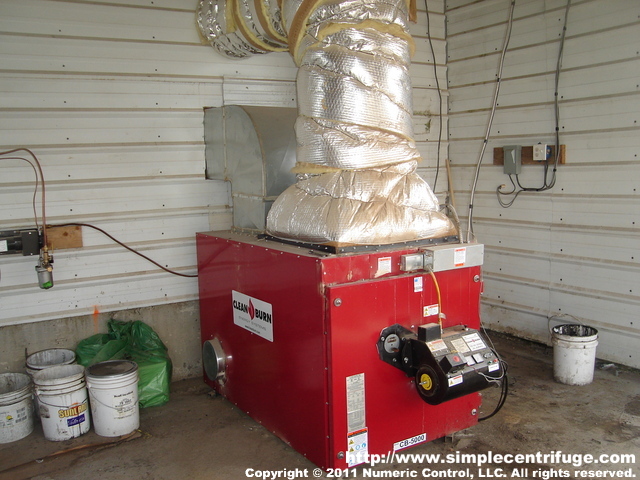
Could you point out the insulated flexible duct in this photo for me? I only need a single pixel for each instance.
(356, 155)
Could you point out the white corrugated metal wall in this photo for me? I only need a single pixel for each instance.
(573, 249)
(109, 95)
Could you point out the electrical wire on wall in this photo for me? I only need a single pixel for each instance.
(503, 380)
(124, 245)
(470, 234)
(547, 184)
(37, 169)
(450, 200)
(435, 75)
(44, 267)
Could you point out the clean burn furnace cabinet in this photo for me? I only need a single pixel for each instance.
(321, 347)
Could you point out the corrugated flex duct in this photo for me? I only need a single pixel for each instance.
(356, 157)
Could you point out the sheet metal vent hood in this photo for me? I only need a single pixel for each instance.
(253, 148)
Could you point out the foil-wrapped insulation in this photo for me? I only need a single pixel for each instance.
(390, 78)
(357, 11)
(374, 207)
(212, 19)
(331, 17)
(345, 146)
(386, 47)
(270, 16)
(371, 107)
(247, 17)
(289, 9)
(354, 131)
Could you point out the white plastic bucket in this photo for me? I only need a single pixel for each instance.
(113, 390)
(16, 407)
(574, 353)
(62, 402)
(49, 358)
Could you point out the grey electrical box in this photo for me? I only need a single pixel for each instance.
(449, 257)
(512, 159)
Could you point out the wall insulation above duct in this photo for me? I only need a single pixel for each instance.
(356, 158)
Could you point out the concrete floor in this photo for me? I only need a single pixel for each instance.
(198, 436)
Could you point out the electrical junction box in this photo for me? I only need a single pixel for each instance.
(512, 159)
(450, 257)
(541, 152)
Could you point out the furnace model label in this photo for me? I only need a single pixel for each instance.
(357, 436)
(355, 403)
(253, 315)
(410, 442)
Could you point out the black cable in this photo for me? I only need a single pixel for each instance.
(504, 391)
(504, 386)
(125, 246)
(435, 74)
(546, 183)
(515, 191)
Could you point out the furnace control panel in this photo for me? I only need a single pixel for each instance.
(445, 364)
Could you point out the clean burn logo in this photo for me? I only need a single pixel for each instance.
(253, 315)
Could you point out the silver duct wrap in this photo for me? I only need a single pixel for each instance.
(372, 108)
(236, 29)
(272, 15)
(289, 9)
(344, 146)
(338, 15)
(373, 206)
(355, 128)
(247, 14)
(211, 17)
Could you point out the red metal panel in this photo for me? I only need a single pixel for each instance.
(296, 384)
(460, 296)
(282, 384)
(394, 411)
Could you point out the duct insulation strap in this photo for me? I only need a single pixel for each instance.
(356, 153)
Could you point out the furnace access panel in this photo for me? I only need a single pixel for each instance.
(301, 340)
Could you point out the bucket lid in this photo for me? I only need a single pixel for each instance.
(112, 368)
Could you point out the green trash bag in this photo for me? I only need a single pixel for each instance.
(135, 341)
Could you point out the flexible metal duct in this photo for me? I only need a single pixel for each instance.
(356, 154)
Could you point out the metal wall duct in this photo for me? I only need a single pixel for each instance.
(254, 149)
(356, 160)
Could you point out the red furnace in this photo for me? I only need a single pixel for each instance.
(341, 355)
